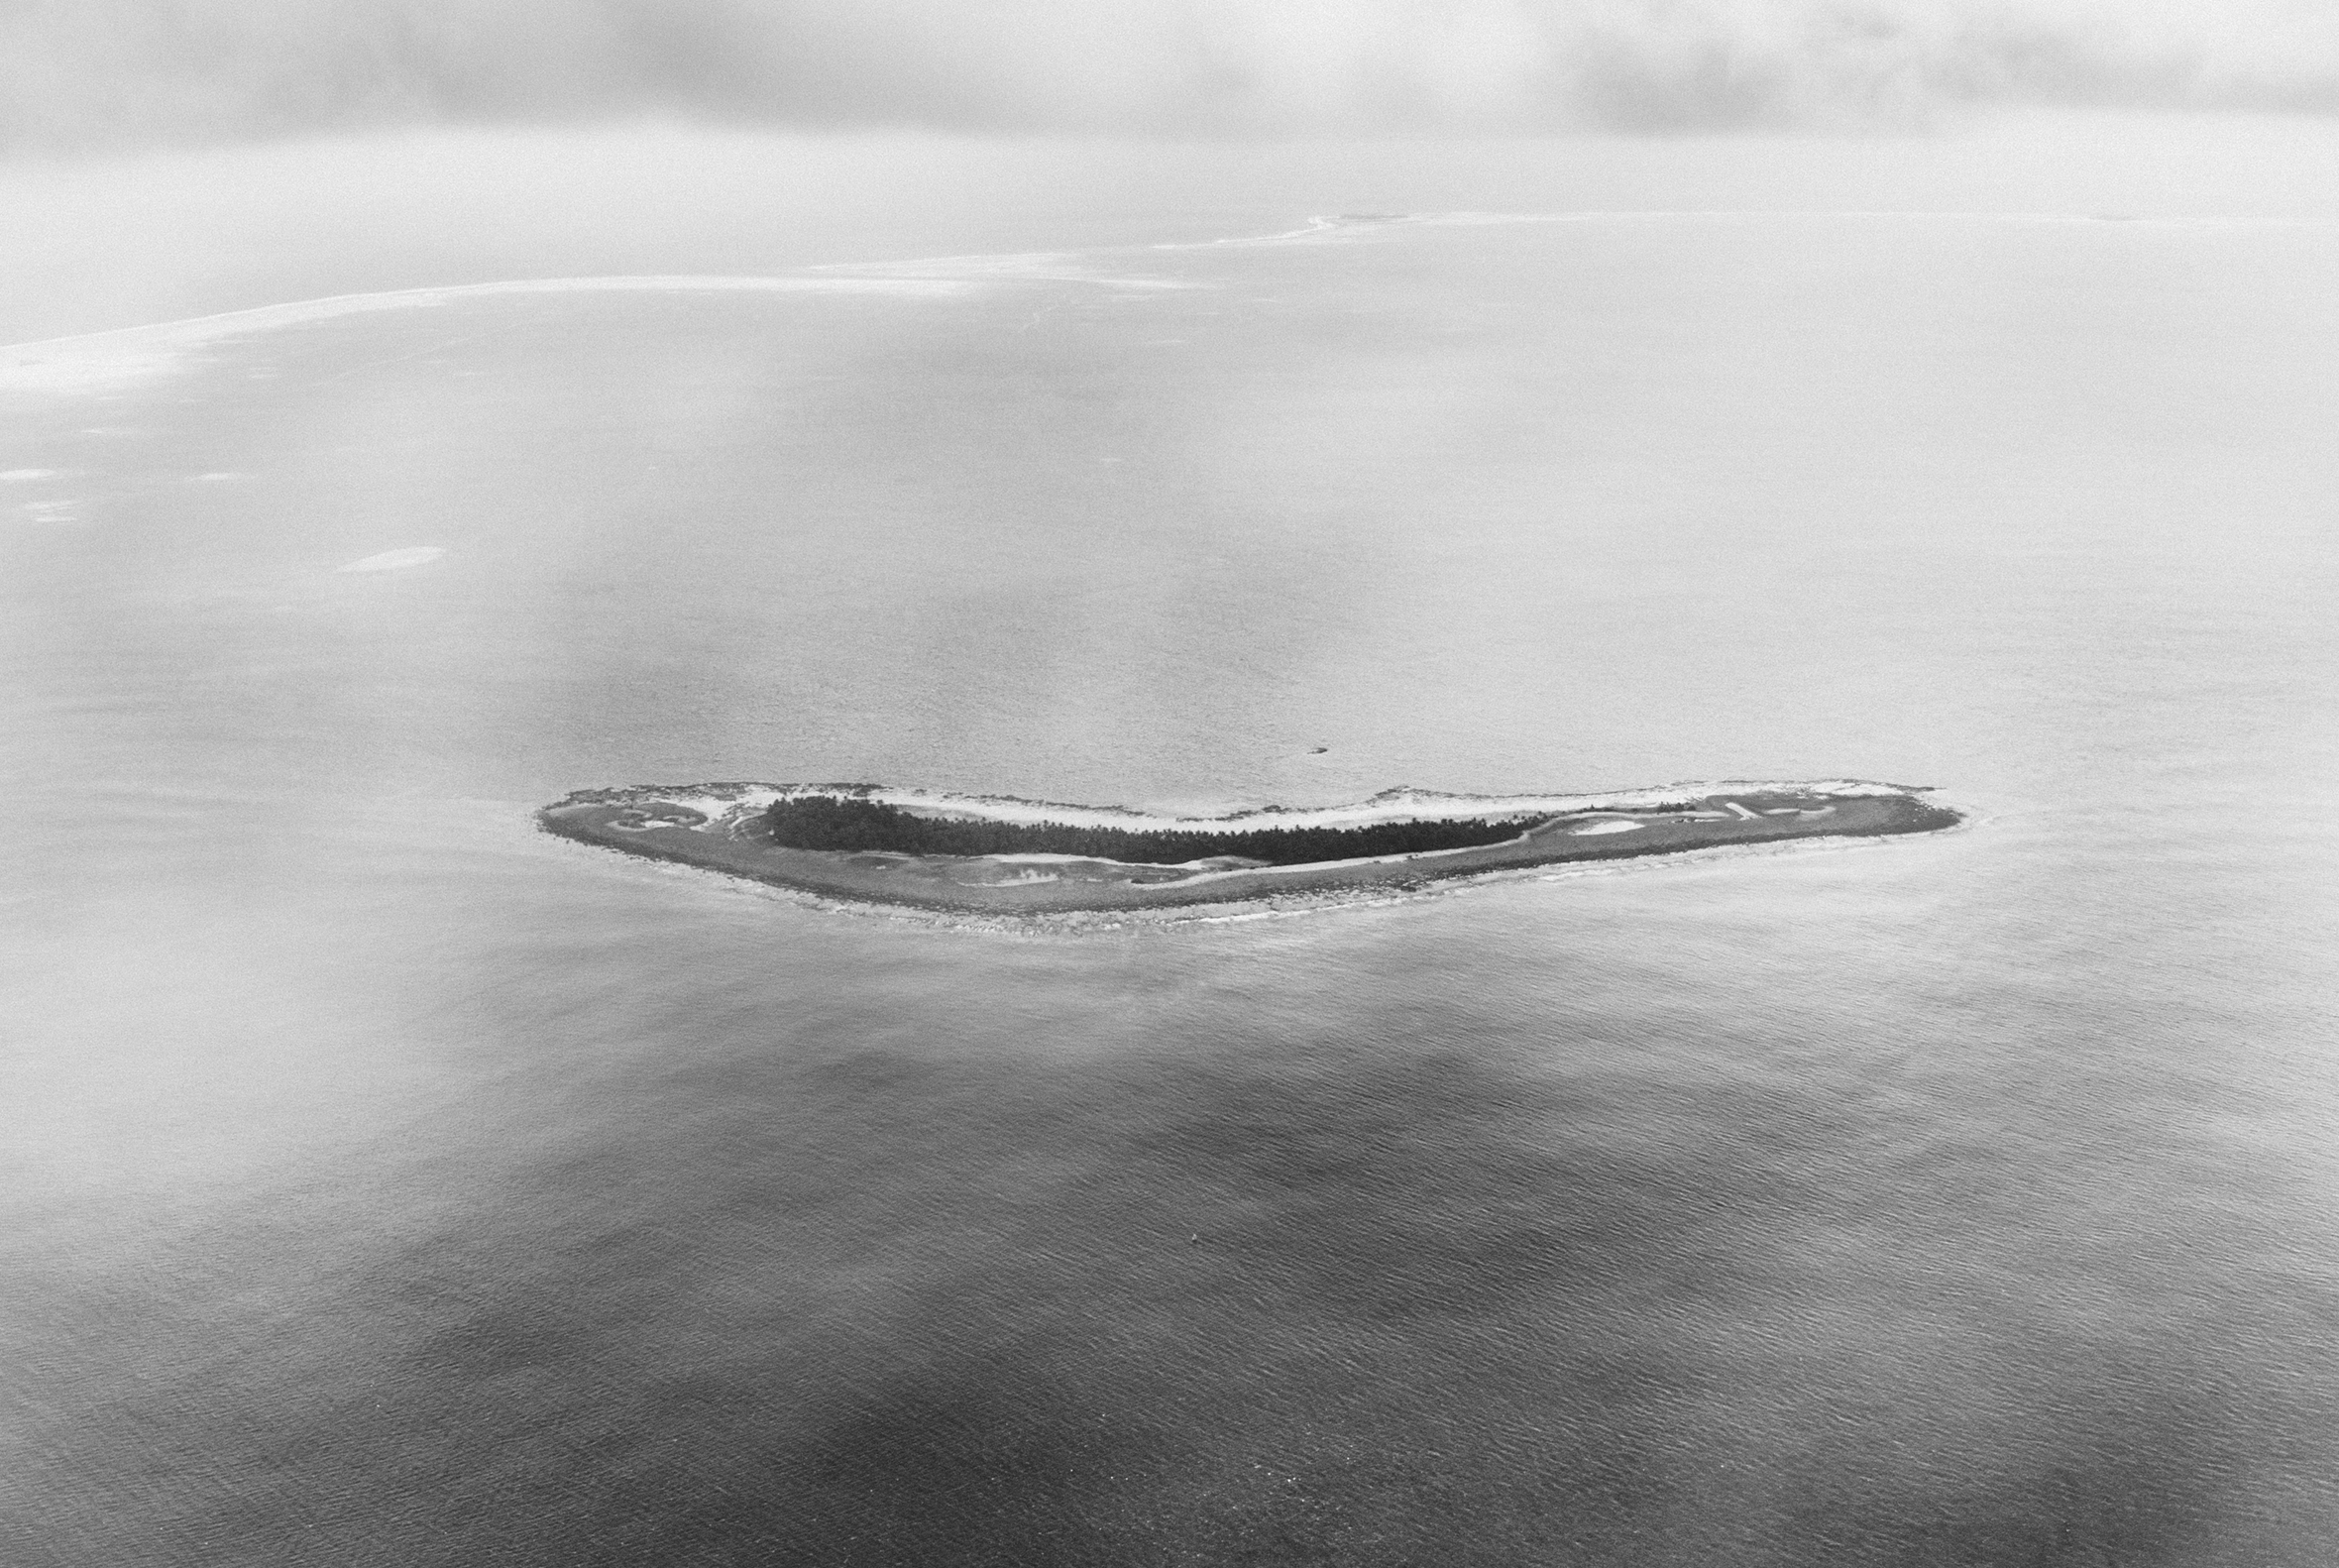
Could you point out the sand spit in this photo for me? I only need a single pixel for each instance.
(1078, 925)
(724, 828)
(1400, 804)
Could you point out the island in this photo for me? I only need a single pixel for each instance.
(998, 856)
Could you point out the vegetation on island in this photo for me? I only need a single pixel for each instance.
(1925, 816)
(828, 822)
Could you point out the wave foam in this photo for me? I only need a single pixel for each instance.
(104, 360)
(393, 560)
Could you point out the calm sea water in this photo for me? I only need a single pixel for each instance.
(388, 1183)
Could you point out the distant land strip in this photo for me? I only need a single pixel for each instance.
(1000, 856)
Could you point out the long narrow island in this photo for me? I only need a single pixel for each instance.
(994, 855)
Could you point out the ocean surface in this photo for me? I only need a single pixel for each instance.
(387, 1183)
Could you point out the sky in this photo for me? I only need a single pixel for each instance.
(78, 76)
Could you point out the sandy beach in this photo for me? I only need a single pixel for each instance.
(720, 827)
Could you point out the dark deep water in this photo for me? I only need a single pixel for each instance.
(391, 1184)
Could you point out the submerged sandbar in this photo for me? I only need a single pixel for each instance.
(997, 855)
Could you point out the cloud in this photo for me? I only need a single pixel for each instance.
(83, 73)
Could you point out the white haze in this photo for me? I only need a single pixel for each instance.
(93, 243)
(79, 74)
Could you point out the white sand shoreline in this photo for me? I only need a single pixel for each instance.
(1394, 805)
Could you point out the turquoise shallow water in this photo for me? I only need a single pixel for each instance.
(396, 1184)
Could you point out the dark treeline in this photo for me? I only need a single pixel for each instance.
(824, 821)
(1925, 816)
